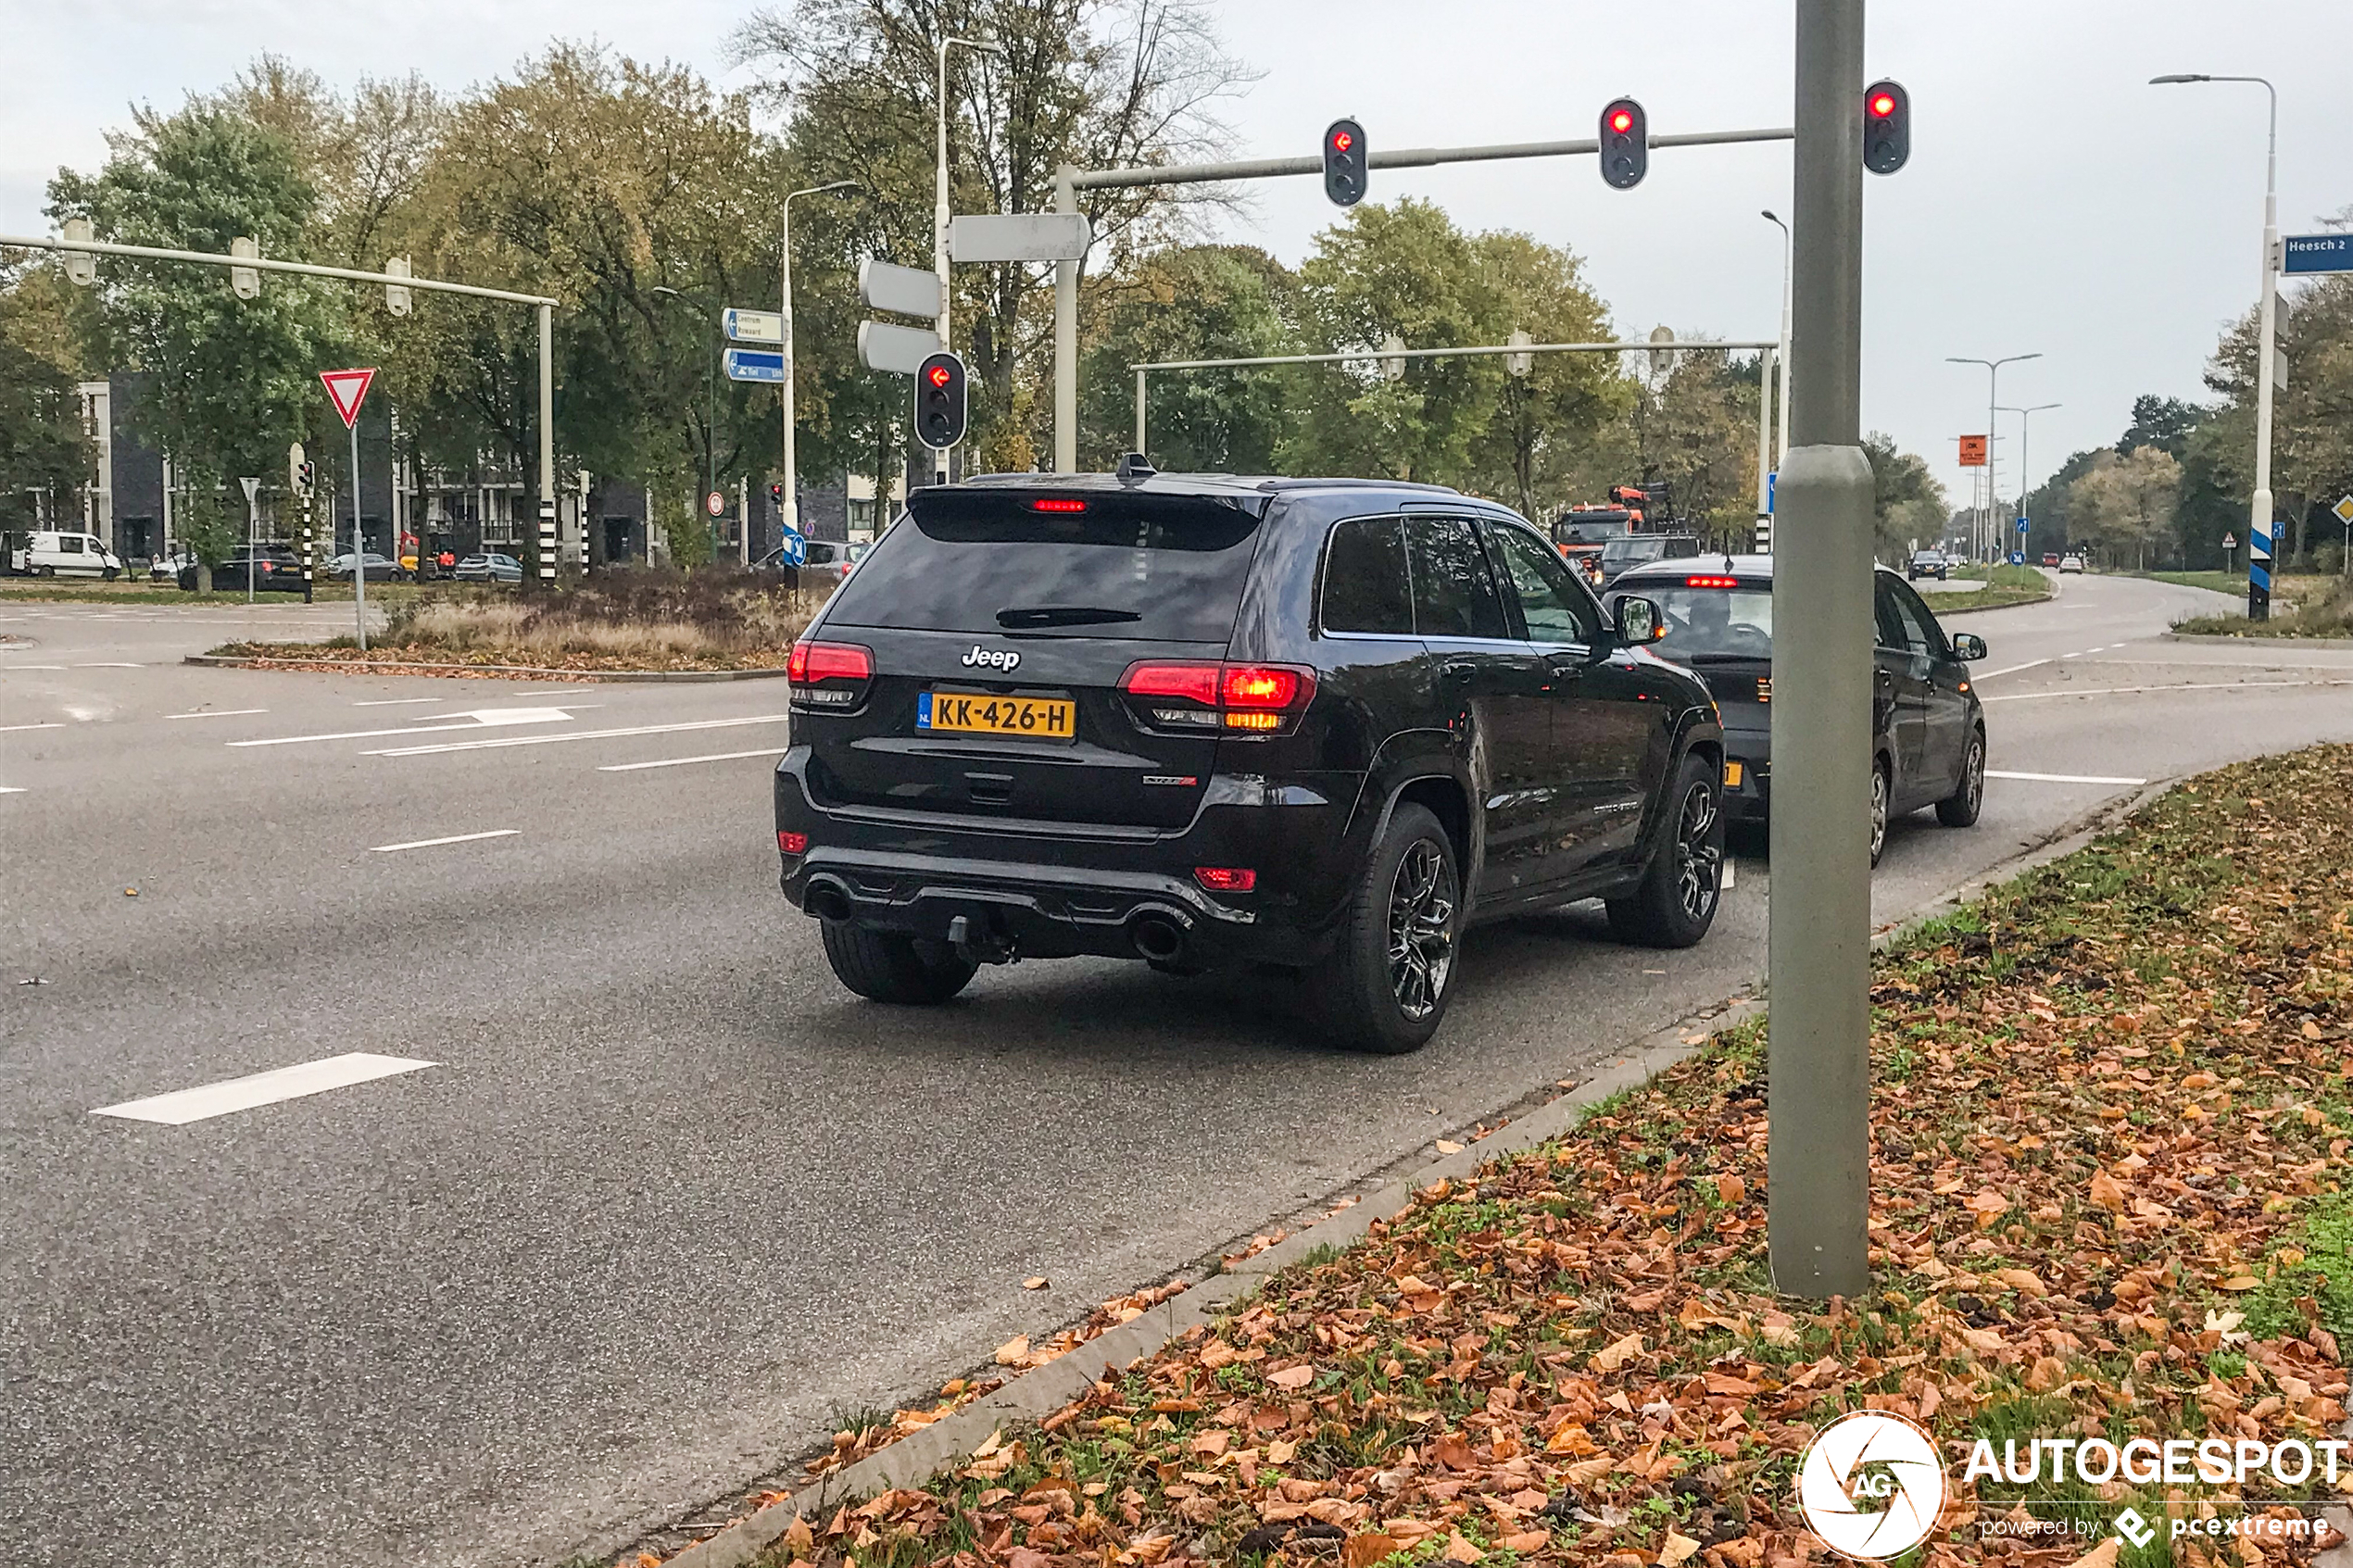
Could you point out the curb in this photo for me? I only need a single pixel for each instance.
(1981, 610)
(1038, 1392)
(2257, 641)
(917, 1457)
(404, 667)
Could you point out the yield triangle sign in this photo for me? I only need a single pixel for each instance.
(345, 390)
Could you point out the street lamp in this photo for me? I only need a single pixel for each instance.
(788, 514)
(940, 206)
(1788, 244)
(2025, 416)
(711, 419)
(1993, 379)
(2259, 525)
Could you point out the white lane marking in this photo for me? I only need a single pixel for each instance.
(184, 1106)
(11, 789)
(682, 761)
(397, 701)
(32, 666)
(110, 665)
(2183, 687)
(435, 843)
(478, 718)
(2014, 669)
(219, 713)
(551, 691)
(2061, 778)
(52, 724)
(576, 735)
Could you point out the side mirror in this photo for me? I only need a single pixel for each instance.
(1638, 620)
(1969, 646)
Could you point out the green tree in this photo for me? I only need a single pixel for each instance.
(43, 445)
(1696, 429)
(1541, 444)
(2126, 505)
(1187, 302)
(1908, 505)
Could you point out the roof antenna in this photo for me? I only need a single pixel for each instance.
(1135, 467)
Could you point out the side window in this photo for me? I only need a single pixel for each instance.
(1891, 623)
(1365, 579)
(69, 544)
(1555, 609)
(1453, 594)
(1919, 627)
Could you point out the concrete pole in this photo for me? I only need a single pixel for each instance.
(939, 216)
(1763, 442)
(1065, 339)
(2259, 570)
(788, 512)
(1819, 963)
(1140, 411)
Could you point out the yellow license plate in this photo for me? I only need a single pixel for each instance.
(1732, 775)
(978, 713)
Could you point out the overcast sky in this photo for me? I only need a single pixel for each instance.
(2053, 202)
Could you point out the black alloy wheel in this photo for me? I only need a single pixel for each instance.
(1421, 929)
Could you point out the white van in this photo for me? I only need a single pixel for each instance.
(49, 554)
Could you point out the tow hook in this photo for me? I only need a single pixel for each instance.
(973, 944)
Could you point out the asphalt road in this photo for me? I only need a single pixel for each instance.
(668, 1200)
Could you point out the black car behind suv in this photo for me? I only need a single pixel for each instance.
(1314, 724)
(1928, 728)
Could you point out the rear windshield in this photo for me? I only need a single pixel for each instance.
(1734, 622)
(1161, 568)
(1651, 549)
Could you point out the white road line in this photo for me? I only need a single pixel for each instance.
(219, 713)
(184, 1106)
(397, 701)
(474, 720)
(110, 665)
(550, 691)
(11, 789)
(682, 761)
(436, 843)
(52, 724)
(2061, 778)
(32, 666)
(2014, 669)
(2183, 687)
(576, 735)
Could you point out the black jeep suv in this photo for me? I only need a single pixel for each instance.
(1319, 725)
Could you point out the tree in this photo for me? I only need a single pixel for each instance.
(2126, 505)
(1547, 430)
(1095, 84)
(1187, 302)
(43, 445)
(2166, 423)
(1908, 505)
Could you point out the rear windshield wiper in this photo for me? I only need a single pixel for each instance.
(1062, 615)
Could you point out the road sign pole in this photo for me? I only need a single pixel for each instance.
(547, 449)
(1819, 947)
(1065, 338)
(359, 550)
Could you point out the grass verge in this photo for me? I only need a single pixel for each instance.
(2110, 1125)
(713, 619)
(2322, 606)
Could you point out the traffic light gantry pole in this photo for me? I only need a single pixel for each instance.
(545, 306)
(1069, 181)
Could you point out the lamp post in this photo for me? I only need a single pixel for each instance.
(1788, 244)
(2258, 522)
(2025, 416)
(788, 513)
(711, 417)
(940, 206)
(1992, 379)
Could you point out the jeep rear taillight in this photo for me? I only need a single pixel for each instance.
(828, 675)
(1241, 699)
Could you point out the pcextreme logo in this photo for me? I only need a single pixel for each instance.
(1870, 1485)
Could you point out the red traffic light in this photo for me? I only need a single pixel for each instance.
(1621, 122)
(1343, 141)
(938, 375)
(1882, 104)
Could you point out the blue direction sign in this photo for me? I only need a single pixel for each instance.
(755, 364)
(792, 549)
(2023, 524)
(2318, 253)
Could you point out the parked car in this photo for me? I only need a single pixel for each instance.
(2050, 558)
(487, 566)
(271, 569)
(1629, 550)
(1928, 563)
(167, 568)
(2070, 562)
(1321, 725)
(822, 557)
(380, 569)
(1928, 728)
(49, 553)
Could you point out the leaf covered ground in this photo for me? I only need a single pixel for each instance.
(2110, 1129)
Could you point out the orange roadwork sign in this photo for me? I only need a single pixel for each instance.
(1972, 451)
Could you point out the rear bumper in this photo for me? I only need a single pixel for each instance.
(1057, 890)
(1753, 749)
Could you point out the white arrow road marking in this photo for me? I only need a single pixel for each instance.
(184, 1106)
(682, 761)
(2061, 778)
(454, 839)
(576, 735)
(478, 718)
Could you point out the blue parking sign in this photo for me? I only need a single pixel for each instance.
(792, 549)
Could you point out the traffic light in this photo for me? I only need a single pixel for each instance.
(1626, 144)
(776, 495)
(939, 401)
(310, 473)
(1887, 127)
(1344, 166)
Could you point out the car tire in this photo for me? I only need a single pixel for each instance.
(1675, 903)
(1959, 808)
(884, 966)
(1386, 987)
(1882, 797)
